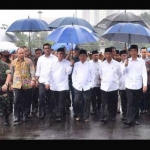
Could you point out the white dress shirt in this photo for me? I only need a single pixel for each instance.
(136, 74)
(110, 74)
(83, 75)
(42, 64)
(57, 76)
(96, 82)
(123, 77)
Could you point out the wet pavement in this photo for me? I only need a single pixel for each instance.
(36, 129)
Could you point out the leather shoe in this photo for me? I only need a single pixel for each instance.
(42, 116)
(142, 112)
(16, 119)
(25, 119)
(68, 111)
(6, 121)
(128, 123)
(105, 121)
(123, 118)
(113, 119)
(58, 119)
(137, 122)
(93, 112)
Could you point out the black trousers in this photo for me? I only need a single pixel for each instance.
(133, 99)
(109, 103)
(22, 100)
(96, 98)
(59, 98)
(148, 98)
(123, 98)
(82, 103)
(44, 98)
(35, 96)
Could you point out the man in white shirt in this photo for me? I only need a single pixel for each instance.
(95, 90)
(41, 73)
(57, 81)
(144, 100)
(136, 78)
(122, 89)
(110, 73)
(82, 78)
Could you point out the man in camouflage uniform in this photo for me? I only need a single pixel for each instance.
(5, 78)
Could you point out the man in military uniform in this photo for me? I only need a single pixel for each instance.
(5, 78)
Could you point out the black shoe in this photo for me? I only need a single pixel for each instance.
(6, 121)
(128, 123)
(105, 121)
(16, 120)
(58, 119)
(123, 118)
(113, 119)
(142, 112)
(42, 116)
(25, 119)
(93, 112)
(137, 122)
(29, 116)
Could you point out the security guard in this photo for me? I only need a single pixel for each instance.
(5, 78)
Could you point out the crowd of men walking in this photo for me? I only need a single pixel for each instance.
(43, 84)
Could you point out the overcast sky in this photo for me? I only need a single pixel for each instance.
(9, 16)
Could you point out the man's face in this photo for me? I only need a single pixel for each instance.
(108, 55)
(26, 51)
(3, 58)
(82, 57)
(114, 51)
(148, 54)
(20, 53)
(123, 57)
(47, 50)
(60, 55)
(143, 53)
(76, 53)
(95, 57)
(133, 52)
(38, 54)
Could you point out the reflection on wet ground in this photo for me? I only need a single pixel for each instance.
(70, 129)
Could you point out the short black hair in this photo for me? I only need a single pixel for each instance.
(38, 49)
(46, 44)
(144, 48)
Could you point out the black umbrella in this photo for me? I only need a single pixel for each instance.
(123, 17)
(69, 21)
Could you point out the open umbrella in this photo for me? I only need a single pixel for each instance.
(10, 37)
(127, 32)
(4, 45)
(28, 25)
(69, 21)
(73, 34)
(123, 17)
(67, 45)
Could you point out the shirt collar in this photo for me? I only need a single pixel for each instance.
(130, 59)
(110, 61)
(18, 59)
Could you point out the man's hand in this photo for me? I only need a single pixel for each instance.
(37, 83)
(32, 83)
(4, 88)
(47, 87)
(72, 62)
(144, 89)
(126, 62)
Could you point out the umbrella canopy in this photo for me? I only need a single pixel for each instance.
(69, 21)
(123, 17)
(67, 45)
(127, 32)
(10, 37)
(28, 25)
(4, 45)
(73, 34)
